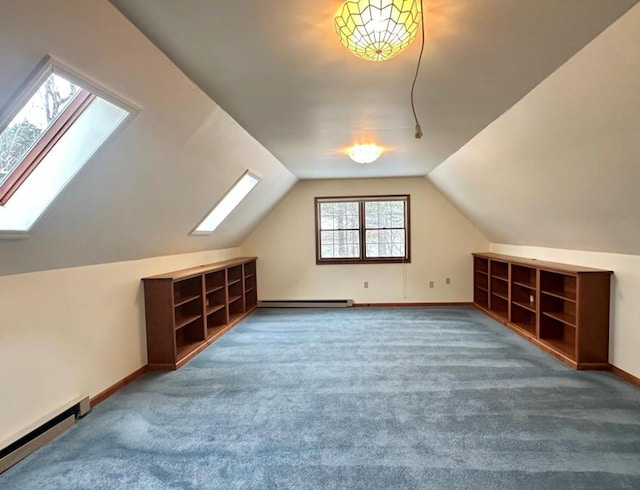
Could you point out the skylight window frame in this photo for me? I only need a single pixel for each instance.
(50, 65)
(197, 231)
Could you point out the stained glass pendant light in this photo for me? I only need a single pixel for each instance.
(377, 30)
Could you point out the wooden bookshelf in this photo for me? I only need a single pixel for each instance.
(562, 308)
(187, 310)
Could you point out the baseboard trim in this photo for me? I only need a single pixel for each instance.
(624, 375)
(103, 395)
(393, 305)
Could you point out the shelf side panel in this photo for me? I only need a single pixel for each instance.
(593, 317)
(159, 314)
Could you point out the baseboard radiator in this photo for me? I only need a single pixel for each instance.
(19, 446)
(306, 303)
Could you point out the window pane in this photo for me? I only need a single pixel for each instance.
(326, 222)
(385, 243)
(384, 214)
(339, 216)
(371, 215)
(339, 244)
(32, 121)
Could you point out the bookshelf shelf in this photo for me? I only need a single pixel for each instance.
(527, 306)
(184, 321)
(565, 318)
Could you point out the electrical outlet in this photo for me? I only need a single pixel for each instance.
(366, 284)
(447, 280)
(430, 284)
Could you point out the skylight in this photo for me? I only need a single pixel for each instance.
(228, 203)
(48, 132)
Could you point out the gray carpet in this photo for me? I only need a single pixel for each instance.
(355, 398)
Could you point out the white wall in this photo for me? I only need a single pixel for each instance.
(71, 332)
(442, 241)
(561, 168)
(624, 334)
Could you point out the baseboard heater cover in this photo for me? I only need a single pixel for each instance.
(306, 303)
(34, 437)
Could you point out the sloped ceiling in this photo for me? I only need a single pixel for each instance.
(277, 67)
(147, 188)
(279, 70)
(561, 169)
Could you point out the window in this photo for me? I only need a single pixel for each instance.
(362, 229)
(229, 202)
(48, 132)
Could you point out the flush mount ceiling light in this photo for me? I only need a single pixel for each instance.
(378, 29)
(364, 153)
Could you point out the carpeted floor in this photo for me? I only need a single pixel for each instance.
(357, 398)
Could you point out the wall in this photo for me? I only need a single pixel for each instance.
(625, 290)
(149, 186)
(442, 241)
(560, 169)
(71, 332)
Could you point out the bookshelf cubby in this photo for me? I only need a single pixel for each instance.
(250, 285)
(481, 281)
(499, 287)
(562, 308)
(187, 310)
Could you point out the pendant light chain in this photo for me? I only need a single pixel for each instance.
(418, 129)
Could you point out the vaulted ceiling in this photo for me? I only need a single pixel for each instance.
(529, 110)
(278, 69)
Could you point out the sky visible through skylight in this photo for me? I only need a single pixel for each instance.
(26, 128)
(229, 202)
(47, 139)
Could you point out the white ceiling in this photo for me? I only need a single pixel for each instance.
(278, 69)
